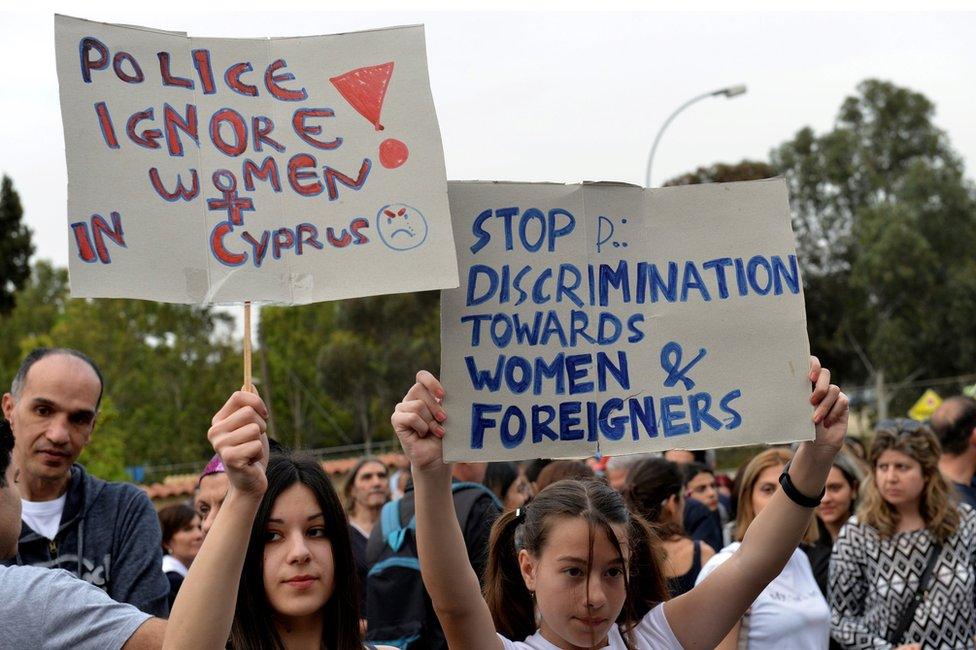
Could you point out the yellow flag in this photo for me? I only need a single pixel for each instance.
(925, 406)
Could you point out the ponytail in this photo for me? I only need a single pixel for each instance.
(509, 600)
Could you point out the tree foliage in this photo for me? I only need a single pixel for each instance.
(886, 229)
(746, 170)
(337, 368)
(167, 367)
(15, 246)
(885, 224)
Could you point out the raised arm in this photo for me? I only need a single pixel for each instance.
(773, 535)
(450, 581)
(204, 608)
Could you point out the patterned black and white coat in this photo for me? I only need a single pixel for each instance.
(873, 581)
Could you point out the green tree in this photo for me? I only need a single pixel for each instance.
(104, 456)
(746, 170)
(304, 412)
(886, 229)
(39, 305)
(15, 246)
(167, 369)
(336, 369)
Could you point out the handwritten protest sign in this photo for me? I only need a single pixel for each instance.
(610, 318)
(287, 170)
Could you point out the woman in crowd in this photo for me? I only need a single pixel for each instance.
(278, 554)
(654, 490)
(836, 507)
(908, 531)
(574, 568)
(791, 612)
(507, 481)
(182, 537)
(561, 470)
(366, 490)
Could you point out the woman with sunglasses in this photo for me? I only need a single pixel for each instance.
(903, 571)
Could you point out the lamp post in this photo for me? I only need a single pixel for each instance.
(729, 93)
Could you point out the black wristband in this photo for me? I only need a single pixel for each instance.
(795, 495)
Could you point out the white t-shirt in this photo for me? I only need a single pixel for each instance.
(791, 612)
(652, 632)
(43, 517)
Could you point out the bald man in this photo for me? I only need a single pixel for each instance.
(104, 533)
(954, 422)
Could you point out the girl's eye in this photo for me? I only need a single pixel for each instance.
(316, 532)
(615, 572)
(271, 536)
(573, 572)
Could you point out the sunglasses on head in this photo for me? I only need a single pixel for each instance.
(901, 425)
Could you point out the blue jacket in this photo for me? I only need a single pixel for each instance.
(109, 536)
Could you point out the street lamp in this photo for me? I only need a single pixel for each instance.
(730, 92)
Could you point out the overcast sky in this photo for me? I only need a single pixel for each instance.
(558, 96)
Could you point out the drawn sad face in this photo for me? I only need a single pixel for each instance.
(401, 227)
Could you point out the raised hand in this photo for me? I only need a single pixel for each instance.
(238, 434)
(417, 421)
(831, 412)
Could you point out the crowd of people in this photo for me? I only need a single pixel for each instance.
(825, 544)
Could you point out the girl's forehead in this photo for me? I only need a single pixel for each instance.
(296, 501)
(570, 537)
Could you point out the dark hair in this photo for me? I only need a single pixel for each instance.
(648, 488)
(350, 481)
(953, 423)
(561, 470)
(499, 476)
(534, 467)
(691, 470)
(6, 446)
(528, 528)
(172, 519)
(35, 355)
(253, 626)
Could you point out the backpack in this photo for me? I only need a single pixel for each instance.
(399, 611)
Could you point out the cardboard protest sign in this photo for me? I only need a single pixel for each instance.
(611, 318)
(285, 170)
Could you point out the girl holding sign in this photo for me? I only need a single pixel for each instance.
(575, 569)
(276, 569)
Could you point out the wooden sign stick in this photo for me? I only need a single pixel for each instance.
(248, 385)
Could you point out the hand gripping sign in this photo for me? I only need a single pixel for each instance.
(286, 170)
(614, 319)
